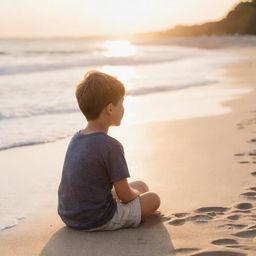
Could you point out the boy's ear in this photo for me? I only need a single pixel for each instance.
(109, 108)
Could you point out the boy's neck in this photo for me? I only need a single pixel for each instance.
(96, 126)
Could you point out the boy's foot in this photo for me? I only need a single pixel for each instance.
(157, 213)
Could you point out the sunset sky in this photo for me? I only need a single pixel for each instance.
(34, 18)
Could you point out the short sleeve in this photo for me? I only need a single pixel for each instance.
(116, 164)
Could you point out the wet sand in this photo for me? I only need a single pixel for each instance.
(204, 170)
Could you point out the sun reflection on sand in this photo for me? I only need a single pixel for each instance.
(118, 48)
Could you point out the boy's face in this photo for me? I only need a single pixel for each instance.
(117, 112)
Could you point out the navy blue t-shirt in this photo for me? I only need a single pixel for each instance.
(92, 163)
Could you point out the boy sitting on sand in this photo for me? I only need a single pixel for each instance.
(95, 161)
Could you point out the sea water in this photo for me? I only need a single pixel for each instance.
(37, 91)
(38, 79)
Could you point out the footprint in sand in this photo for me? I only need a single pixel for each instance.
(213, 214)
(215, 209)
(238, 226)
(246, 234)
(236, 246)
(234, 226)
(233, 217)
(180, 214)
(224, 241)
(186, 250)
(239, 154)
(165, 218)
(252, 140)
(199, 218)
(249, 195)
(253, 173)
(244, 162)
(253, 188)
(177, 222)
(241, 211)
(252, 227)
(243, 206)
(219, 253)
(253, 153)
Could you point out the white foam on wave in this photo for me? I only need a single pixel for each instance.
(52, 113)
(147, 56)
(7, 222)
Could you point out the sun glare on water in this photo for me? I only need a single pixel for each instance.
(118, 48)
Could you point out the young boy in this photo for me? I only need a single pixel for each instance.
(95, 162)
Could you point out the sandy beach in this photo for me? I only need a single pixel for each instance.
(203, 168)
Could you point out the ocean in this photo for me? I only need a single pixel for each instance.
(38, 79)
(38, 105)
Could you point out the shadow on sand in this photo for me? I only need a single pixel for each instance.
(150, 238)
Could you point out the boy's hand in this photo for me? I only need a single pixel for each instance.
(114, 194)
(137, 192)
(124, 192)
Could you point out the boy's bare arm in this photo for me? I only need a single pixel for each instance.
(124, 192)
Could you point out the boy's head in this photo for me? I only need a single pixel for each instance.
(96, 92)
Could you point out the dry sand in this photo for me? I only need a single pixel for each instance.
(204, 170)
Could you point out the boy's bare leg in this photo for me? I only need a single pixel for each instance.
(139, 185)
(149, 201)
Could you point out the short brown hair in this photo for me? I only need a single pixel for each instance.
(96, 91)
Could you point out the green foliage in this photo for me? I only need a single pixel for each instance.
(241, 20)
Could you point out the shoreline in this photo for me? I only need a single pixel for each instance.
(204, 65)
(186, 147)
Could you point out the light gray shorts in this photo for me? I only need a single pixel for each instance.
(126, 215)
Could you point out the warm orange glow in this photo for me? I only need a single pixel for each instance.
(79, 18)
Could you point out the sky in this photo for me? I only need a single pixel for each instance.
(47, 18)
